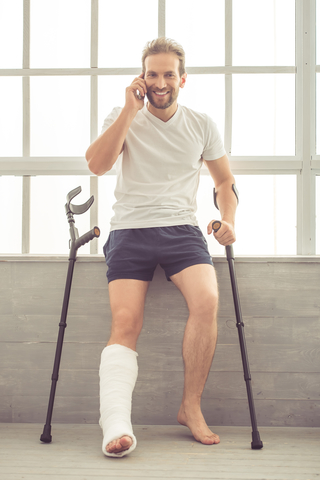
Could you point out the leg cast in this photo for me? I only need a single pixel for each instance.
(118, 375)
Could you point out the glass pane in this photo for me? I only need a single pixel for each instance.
(199, 28)
(263, 120)
(205, 93)
(49, 228)
(263, 32)
(11, 116)
(124, 29)
(266, 216)
(111, 93)
(60, 33)
(11, 32)
(107, 185)
(318, 215)
(59, 116)
(10, 214)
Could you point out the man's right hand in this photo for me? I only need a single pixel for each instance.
(104, 151)
(132, 99)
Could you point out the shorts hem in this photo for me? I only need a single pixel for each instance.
(179, 268)
(128, 276)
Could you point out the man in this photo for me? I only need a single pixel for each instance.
(163, 147)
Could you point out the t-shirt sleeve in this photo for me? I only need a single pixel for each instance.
(213, 148)
(110, 119)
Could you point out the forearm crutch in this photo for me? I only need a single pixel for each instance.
(256, 443)
(75, 243)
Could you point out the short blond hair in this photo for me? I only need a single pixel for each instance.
(164, 45)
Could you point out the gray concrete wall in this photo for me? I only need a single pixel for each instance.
(280, 301)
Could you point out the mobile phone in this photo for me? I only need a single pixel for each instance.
(138, 93)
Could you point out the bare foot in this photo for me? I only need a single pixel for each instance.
(192, 418)
(119, 445)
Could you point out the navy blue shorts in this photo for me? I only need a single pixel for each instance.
(135, 253)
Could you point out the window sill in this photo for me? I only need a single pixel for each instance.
(217, 259)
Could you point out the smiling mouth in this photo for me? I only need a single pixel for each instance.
(159, 94)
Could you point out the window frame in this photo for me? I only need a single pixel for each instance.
(305, 164)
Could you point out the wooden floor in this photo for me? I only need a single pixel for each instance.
(163, 452)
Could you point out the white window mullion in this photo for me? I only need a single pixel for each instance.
(161, 18)
(313, 70)
(94, 116)
(26, 183)
(228, 77)
(312, 133)
(299, 120)
(34, 72)
(306, 180)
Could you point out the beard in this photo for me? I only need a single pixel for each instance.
(157, 102)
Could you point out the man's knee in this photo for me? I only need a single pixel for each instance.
(125, 323)
(205, 306)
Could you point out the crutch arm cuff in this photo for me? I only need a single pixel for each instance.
(235, 191)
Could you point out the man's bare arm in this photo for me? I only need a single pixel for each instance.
(104, 151)
(223, 179)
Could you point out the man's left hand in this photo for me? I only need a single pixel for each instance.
(225, 235)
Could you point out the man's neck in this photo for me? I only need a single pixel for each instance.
(163, 114)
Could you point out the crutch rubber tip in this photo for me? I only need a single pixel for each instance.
(46, 436)
(256, 443)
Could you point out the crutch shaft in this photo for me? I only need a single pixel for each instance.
(256, 443)
(46, 435)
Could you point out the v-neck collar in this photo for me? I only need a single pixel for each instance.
(160, 123)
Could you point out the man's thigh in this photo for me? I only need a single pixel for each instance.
(128, 296)
(198, 284)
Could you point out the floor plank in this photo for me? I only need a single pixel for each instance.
(163, 452)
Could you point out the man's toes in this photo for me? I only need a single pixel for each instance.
(211, 440)
(117, 446)
(215, 439)
(111, 446)
(125, 442)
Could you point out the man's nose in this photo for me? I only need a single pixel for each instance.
(161, 82)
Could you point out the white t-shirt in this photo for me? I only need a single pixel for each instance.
(158, 171)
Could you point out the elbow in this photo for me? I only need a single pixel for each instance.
(91, 164)
(95, 167)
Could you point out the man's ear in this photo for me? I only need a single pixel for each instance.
(183, 80)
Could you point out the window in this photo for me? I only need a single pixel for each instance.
(254, 67)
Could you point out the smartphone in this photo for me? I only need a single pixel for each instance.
(138, 93)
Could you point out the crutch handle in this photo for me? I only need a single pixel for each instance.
(216, 225)
(87, 237)
(229, 248)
